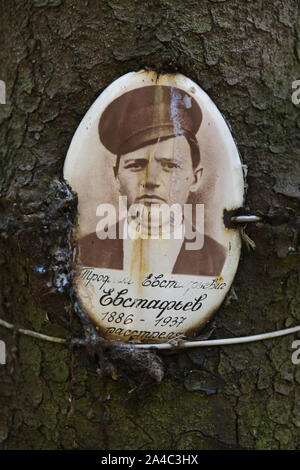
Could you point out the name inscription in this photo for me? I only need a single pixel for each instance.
(157, 307)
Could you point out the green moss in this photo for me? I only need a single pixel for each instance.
(56, 372)
(47, 414)
(88, 434)
(3, 429)
(283, 435)
(33, 313)
(30, 355)
(265, 376)
(34, 440)
(265, 439)
(279, 408)
(33, 390)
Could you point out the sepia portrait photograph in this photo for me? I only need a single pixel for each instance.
(154, 166)
(158, 152)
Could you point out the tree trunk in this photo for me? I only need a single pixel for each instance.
(56, 57)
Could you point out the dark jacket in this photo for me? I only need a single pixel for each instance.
(108, 253)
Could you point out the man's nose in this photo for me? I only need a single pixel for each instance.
(152, 176)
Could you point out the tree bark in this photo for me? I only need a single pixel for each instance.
(56, 57)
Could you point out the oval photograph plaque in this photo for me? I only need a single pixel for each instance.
(154, 166)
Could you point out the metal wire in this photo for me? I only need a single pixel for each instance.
(180, 344)
(215, 342)
(242, 219)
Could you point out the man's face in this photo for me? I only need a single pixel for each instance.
(160, 173)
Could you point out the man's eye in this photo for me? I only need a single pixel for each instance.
(135, 166)
(171, 165)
